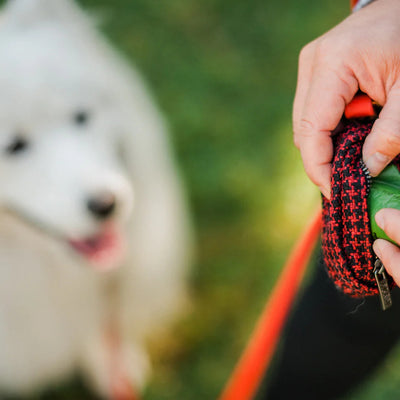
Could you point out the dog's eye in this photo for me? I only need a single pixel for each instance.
(81, 117)
(17, 145)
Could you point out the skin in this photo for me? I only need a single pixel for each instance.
(361, 53)
(389, 220)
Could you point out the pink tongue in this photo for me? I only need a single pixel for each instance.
(104, 251)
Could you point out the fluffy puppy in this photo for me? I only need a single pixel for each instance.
(93, 228)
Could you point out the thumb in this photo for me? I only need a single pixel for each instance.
(383, 142)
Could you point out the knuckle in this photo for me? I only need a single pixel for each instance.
(302, 129)
(305, 125)
(330, 53)
(324, 50)
(306, 51)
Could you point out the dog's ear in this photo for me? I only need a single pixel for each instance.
(24, 13)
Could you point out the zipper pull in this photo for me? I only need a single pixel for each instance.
(383, 286)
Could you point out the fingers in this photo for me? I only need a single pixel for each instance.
(321, 96)
(383, 143)
(317, 152)
(314, 145)
(389, 254)
(388, 219)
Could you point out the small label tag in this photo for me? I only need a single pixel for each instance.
(383, 286)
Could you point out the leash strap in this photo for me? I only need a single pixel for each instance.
(252, 365)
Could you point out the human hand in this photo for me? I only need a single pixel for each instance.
(362, 52)
(388, 220)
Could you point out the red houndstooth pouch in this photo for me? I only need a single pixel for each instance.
(346, 233)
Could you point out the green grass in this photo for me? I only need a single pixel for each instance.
(224, 74)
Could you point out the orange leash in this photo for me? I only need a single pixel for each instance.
(253, 363)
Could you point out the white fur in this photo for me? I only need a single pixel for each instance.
(53, 307)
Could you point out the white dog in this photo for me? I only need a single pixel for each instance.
(86, 184)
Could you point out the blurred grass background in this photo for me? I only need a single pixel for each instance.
(224, 74)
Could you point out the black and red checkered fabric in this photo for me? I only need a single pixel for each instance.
(346, 234)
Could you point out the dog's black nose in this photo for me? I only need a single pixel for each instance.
(102, 205)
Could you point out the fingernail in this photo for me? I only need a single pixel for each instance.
(376, 163)
(380, 220)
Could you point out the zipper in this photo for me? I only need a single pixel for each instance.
(379, 268)
(383, 285)
(367, 175)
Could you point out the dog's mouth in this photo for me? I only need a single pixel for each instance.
(105, 250)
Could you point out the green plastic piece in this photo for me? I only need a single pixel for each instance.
(384, 193)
